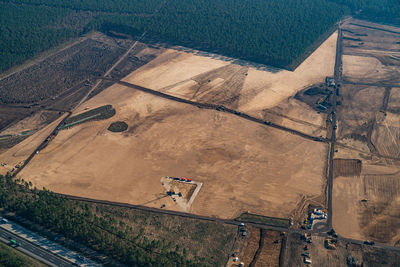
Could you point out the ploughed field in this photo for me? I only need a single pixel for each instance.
(367, 185)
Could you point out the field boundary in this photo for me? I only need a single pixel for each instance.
(263, 220)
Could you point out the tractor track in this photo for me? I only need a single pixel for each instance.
(220, 108)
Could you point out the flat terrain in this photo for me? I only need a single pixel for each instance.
(367, 186)
(39, 93)
(242, 165)
(343, 255)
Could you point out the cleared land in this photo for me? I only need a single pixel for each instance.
(40, 92)
(242, 165)
(367, 189)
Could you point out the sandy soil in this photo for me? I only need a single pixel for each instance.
(394, 101)
(242, 165)
(21, 151)
(192, 76)
(378, 217)
(295, 114)
(369, 130)
(265, 89)
(363, 69)
(347, 193)
(33, 122)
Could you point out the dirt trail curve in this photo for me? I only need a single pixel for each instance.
(219, 108)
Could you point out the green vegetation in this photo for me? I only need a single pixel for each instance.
(377, 10)
(27, 30)
(118, 126)
(254, 218)
(10, 257)
(272, 32)
(133, 237)
(115, 6)
(100, 113)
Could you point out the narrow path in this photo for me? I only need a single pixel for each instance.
(381, 84)
(219, 108)
(374, 28)
(98, 82)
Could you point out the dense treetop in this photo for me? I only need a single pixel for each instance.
(272, 32)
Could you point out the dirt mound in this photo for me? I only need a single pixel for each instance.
(117, 127)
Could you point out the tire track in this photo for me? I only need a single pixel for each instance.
(220, 108)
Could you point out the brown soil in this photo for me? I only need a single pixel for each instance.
(269, 256)
(251, 247)
(347, 167)
(185, 188)
(369, 130)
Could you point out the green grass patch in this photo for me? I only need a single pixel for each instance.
(254, 218)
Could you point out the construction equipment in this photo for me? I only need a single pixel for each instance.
(171, 192)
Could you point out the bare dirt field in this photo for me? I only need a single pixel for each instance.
(366, 188)
(243, 166)
(371, 54)
(38, 93)
(241, 87)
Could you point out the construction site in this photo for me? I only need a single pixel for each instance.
(366, 184)
(208, 114)
(284, 156)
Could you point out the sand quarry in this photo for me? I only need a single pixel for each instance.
(243, 166)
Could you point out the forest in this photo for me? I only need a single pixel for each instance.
(272, 32)
(78, 222)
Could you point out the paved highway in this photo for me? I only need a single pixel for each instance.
(34, 251)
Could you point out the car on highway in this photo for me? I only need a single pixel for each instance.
(368, 242)
(14, 243)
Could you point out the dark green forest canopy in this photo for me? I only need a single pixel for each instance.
(272, 32)
(27, 30)
(376, 10)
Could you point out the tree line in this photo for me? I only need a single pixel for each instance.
(28, 30)
(272, 32)
(77, 221)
